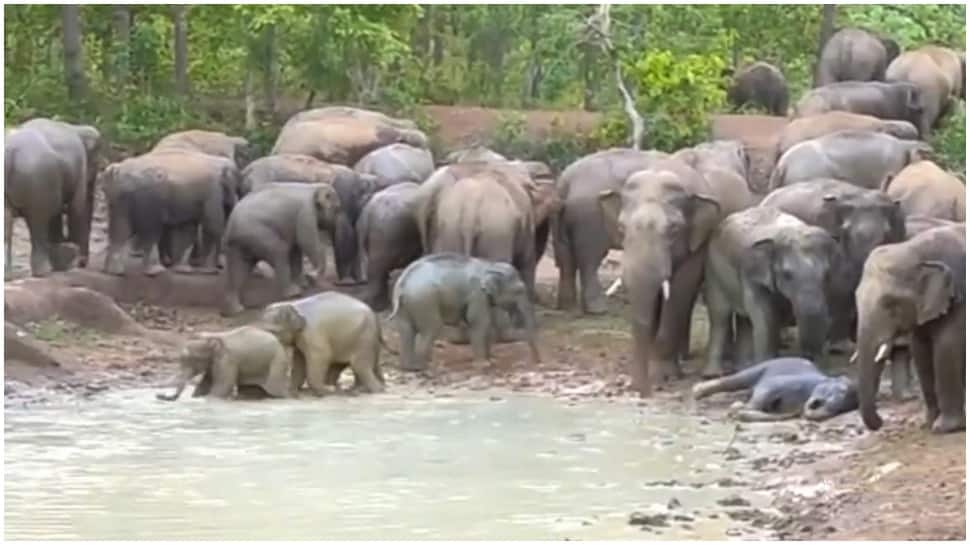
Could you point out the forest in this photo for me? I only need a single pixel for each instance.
(141, 71)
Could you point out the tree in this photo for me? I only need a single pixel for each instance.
(180, 27)
(824, 33)
(121, 44)
(73, 52)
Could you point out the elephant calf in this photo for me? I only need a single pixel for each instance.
(457, 290)
(760, 84)
(245, 356)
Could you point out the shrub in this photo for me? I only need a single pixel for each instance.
(950, 140)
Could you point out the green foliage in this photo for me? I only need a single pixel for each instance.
(950, 141)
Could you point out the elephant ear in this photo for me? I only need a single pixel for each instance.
(756, 263)
(937, 287)
(832, 214)
(611, 203)
(703, 215)
(920, 151)
(897, 221)
(492, 283)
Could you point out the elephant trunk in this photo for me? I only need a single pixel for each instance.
(647, 294)
(871, 357)
(527, 311)
(813, 321)
(185, 375)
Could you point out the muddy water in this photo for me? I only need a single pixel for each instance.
(491, 465)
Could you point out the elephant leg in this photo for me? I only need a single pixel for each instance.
(333, 374)
(119, 234)
(318, 359)
(407, 334)
(213, 229)
(284, 278)
(225, 376)
(40, 245)
(365, 360)
(239, 265)
(719, 321)
(296, 268)
(180, 238)
(949, 360)
(675, 317)
(743, 342)
(687, 281)
(480, 336)
(378, 277)
(277, 381)
(901, 377)
(423, 345)
(922, 351)
(151, 262)
(8, 217)
(764, 326)
(566, 261)
(589, 259)
(79, 229)
(204, 387)
(297, 373)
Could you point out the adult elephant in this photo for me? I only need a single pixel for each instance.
(388, 238)
(278, 224)
(762, 85)
(953, 65)
(580, 236)
(397, 163)
(924, 189)
(813, 126)
(474, 154)
(662, 218)
(342, 140)
(337, 112)
(723, 162)
(854, 54)
(898, 100)
(935, 90)
(862, 158)
(168, 189)
(917, 288)
(215, 143)
(766, 269)
(859, 219)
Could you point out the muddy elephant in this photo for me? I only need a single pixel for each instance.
(854, 54)
(336, 112)
(449, 289)
(863, 158)
(662, 218)
(766, 269)
(67, 159)
(245, 356)
(342, 140)
(859, 219)
(170, 189)
(353, 189)
(580, 236)
(935, 93)
(761, 85)
(807, 128)
(279, 224)
(917, 289)
(896, 100)
(953, 65)
(215, 143)
(388, 239)
(397, 163)
(473, 154)
(325, 330)
(924, 189)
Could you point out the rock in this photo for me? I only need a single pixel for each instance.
(643, 519)
(674, 503)
(733, 501)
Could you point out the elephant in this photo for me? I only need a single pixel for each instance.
(388, 238)
(168, 189)
(279, 224)
(854, 54)
(397, 163)
(73, 152)
(859, 219)
(342, 140)
(326, 330)
(662, 218)
(916, 288)
(760, 84)
(953, 65)
(723, 162)
(935, 93)
(245, 356)
(336, 112)
(924, 189)
(890, 100)
(211, 142)
(767, 269)
(457, 290)
(474, 154)
(814, 126)
(580, 236)
(353, 189)
(862, 158)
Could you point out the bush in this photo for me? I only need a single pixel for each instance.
(950, 141)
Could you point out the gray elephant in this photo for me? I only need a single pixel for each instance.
(332, 112)
(723, 162)
(814, 126)
(917, 289)
(245, 356)
(662, 218)
(388, 238)
(862, 158)
(580, 236)
(766, 269)
(397, 163)
(50, 170)
(328, 330)
(449, 289)
(924, 189)
(859, 219)
(342, 140)
(898, 100)
(854, 54)
(279, 224)
(762, 85)
(935, 92)
(215, 143)
(474, 154)
(169, 189)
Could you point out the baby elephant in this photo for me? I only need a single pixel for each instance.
(245, 356)
(457, 290)
(327, 330)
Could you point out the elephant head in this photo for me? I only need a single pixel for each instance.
(796, 263)
(899, 292)
(862, 223)
(912, 102)
(831, 398)
(505, 289)
(327, 206)
(195, 359)
(283, 321)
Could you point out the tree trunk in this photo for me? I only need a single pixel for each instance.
(270, 70)
(437, 33)
(602, 18)
(73, 52)
(250, 100)
(181, 31)
(121, 26)
(585, 71)
(824, 33)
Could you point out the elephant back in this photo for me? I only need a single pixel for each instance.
(397, 163)
(603, 170)
(293, 168)
(332, 112)
(341, 140)
(214, 143)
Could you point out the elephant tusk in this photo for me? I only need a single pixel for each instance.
(854, 358)
(614, 287)
(883, 352)
(665, 287)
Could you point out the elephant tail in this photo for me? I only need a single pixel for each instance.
(560, 235)
(146, 210)
(383, 341)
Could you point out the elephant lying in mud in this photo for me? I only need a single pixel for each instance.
(785, 388)
(245, 356)
(449, 289)
(325, 330)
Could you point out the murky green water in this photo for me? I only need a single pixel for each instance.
(482, 466)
